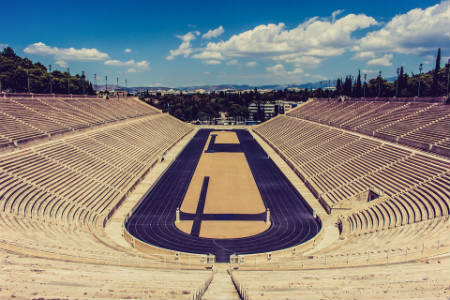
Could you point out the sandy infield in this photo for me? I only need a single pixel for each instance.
(231, 229)
(184, 225)
(231, 190)
(226, 137)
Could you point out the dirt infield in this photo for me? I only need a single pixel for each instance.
(232, 229)
(232, 190)
(184, 225)
(226, 137)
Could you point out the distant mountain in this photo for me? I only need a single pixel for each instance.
(391, 79)
(210, 88)
(131, 89)
(216, 87)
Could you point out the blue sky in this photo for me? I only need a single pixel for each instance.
(181, 43)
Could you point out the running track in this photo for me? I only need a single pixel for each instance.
(291, 217)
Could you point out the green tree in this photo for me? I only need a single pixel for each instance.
(357, 91)
(15, 72)
(435, 86)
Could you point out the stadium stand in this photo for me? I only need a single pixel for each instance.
(34, 117)
(390, 202)
(379, 169)
(57, 193)
(338, 165)
(410, 280)
(422, 125)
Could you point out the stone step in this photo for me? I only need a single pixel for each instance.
(221, 287)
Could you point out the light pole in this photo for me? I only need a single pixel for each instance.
(68, 81)
(328, 89)
(106, 86)
(126, 88)
(83, 82)
(95, 80)
(351, 86)
(398, 79)
(379, 84)
(448, 77)
(117, 86)
(28, 81)
(51, 79)
(420, 77)
(365, 84)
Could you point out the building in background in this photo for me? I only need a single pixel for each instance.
(266, 110)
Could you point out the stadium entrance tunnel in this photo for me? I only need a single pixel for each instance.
(223, 195)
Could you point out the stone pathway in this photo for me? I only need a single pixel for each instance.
(221, 287)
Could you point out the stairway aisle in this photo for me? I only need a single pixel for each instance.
(221, 287)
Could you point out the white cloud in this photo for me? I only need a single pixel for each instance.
(367, 71)
(211, 62)
(232, 62)
(213, 33)
(294, 76)
(114, 62)
(132, 65)
(83, 54)
(313, 39)
(279, 70)
(208, 55)
(61, 63)
(185, 47)
(419, 31)
(251, 64)
(365, 55)
(429, 59)
(304, 61)
(381, 61)
(127, 50)
(335, 14)
(2, 46)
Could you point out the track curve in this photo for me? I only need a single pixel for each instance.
(292, 220)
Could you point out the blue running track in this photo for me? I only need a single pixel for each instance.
(292, 221)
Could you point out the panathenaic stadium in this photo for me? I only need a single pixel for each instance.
(113, 199)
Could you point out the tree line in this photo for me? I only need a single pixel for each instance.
(433, 83)
(191, 107)
(19, 74)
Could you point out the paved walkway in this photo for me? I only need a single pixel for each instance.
(221, 287)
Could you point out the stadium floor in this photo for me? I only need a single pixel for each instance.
(292, 221)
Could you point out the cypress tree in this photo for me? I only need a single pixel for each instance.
(339, 86)
(348, 86)
(435, 86)
(438, 61)
(401, 81)
(358, 85)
